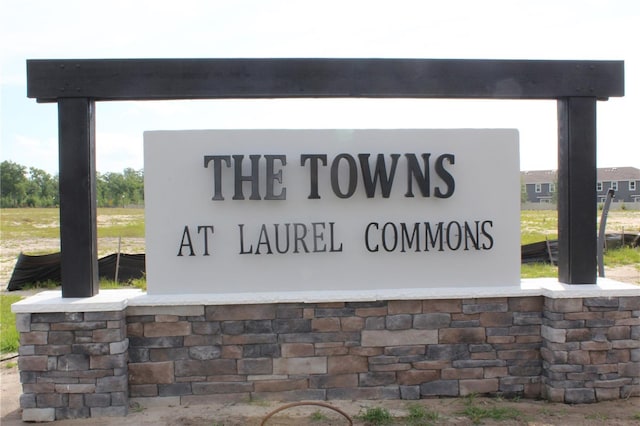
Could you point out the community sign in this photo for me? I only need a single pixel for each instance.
(255, 211)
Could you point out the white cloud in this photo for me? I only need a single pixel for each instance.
(117, 151)
(41, 153)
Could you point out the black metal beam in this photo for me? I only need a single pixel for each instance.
(577, 201)
(140, 79)
(77, 180)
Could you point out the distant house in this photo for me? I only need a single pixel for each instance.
(539, 186)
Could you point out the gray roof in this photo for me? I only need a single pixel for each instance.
(604, 174)
(618, 173)
(538, 176)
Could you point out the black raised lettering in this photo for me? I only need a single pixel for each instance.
(366, 237)
(206, 228)
(242, 251)
(186, 235)
(313, 172)
(446, 177)
(217, 173)
(353, 176)
(433, 239)
(414, 172)
(471, 234)
(275, 177)
(239, 178)
(407, 240)
(454, 231)
(298, 237)
(386, 181)
(263, 239)
(394, 234)
(487, 224)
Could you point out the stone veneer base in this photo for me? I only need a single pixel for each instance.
(92, 357)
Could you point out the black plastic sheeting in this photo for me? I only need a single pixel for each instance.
(618, 239)
(33, 269)
(540, 252)
(547, 251)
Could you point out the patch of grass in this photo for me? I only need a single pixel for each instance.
(470, 399)
(536, 225)
(30, 223)
(546, 412)
(9, 336)
(258, 402)
(376, 416)
(140, 283)
(126, 223)
(10, 364)
(477, 414)
(597, 416)
(317, 416)
(538, 270)
(136, 407)
(623, 256)
(636, 416)
(553, 413)
(105, 283)
(419, 415)
(45, 285)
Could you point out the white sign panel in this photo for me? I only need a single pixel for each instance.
(246, 211)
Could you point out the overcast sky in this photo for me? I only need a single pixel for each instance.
(473, 29)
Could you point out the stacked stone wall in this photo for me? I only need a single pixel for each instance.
(591, 349)
(73, 364)
(377, 350)
(92, 364)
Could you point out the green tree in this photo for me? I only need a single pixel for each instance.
(42, 189)
(523, 191)
(13, 184)
(120, 189)
(37, 188)
(134, 184)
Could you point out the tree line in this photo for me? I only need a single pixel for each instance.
(22, 186)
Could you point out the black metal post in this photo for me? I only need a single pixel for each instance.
(577, 202)
(78, 230)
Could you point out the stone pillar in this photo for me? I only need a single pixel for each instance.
(72, 364)
(591, 349)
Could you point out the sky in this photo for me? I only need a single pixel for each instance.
(452, 29)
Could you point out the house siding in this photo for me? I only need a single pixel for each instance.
(607, 178)
(623, 193)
